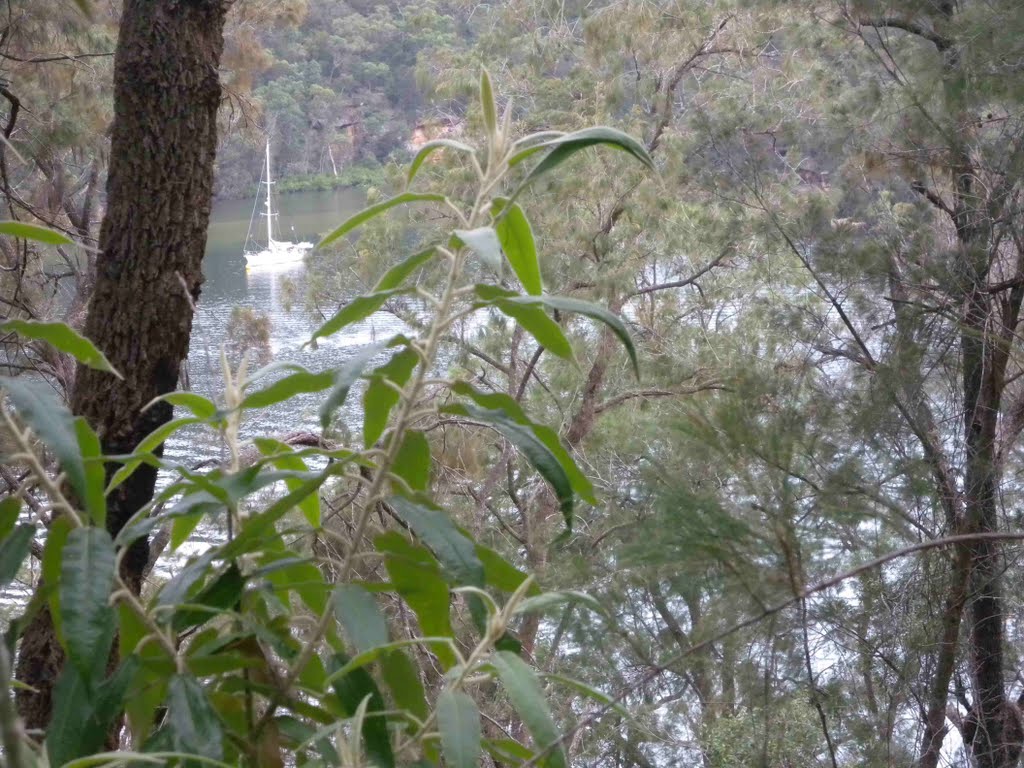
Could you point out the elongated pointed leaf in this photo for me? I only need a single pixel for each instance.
(454, 551)
(10, 510)
(500, 401)
(285, 458)
(403, 679)
(536, 452)
(412, 463)
(526, 695)
(531, 316)
(344, 378)
(397, 275)
(488, 105)
(459, 721)
(221, 594)
(38, 406)
(72, 731)
(482, 241)
(352, 690)
(416, 576)
(302, 382)
(64, 339)
(34, 232)
(430, 148)
(548, 600)
(358, 309)
(13, 550)
(95, 499)
(376, 210)
(201, 407)
(564, 147)
(86, 581)
(53, 559)
(594, 312)
(517, 242)
(359, 615)
(195, 727)
(381, 397)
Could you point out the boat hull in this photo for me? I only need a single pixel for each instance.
(278, 254)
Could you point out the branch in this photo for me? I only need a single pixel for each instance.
(932, 197)
(911, 27)
(61, 57)
(646, 393)
(686, 281)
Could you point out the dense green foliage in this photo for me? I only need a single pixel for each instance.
(793, 541)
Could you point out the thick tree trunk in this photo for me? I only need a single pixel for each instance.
(159, 191)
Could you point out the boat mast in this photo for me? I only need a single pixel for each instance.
(270, 211)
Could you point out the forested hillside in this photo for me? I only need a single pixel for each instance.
(692, 436)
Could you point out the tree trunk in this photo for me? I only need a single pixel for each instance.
(159, 191)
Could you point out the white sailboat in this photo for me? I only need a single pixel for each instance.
(274, 252)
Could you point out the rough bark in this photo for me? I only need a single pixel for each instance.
(159, 192)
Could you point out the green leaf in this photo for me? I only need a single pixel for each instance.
(416, 576)
(183, 527)
(455, 552)
(359, 615)
(110, 693)
(352, 689)
(459, 721)
(548, 600)
(482, 241)
(488, 105)
(302, 382)
(10, 511)
(258, 527)
(201, 407)
(500, 401)
(86, 580)
(564, 147)
(531, 316)
(95, 499)
(34, 231)
(591, 693)
(195, 727)
(517, 241)
(412, 462)
(344, 378)
(144, 450)
(285, 458)
(500, 573)
(221, 594)
(527, 698)
(375, 210)
(395, 276)
(53, 558)
(64, 339)
(381, 397)
(358, 309)
(73, 729)
(38, 406)
(507, 751)
(588, 309)
(430, 148)
(13, 550)
(403, 679)
(175, 591)
(536, 452)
